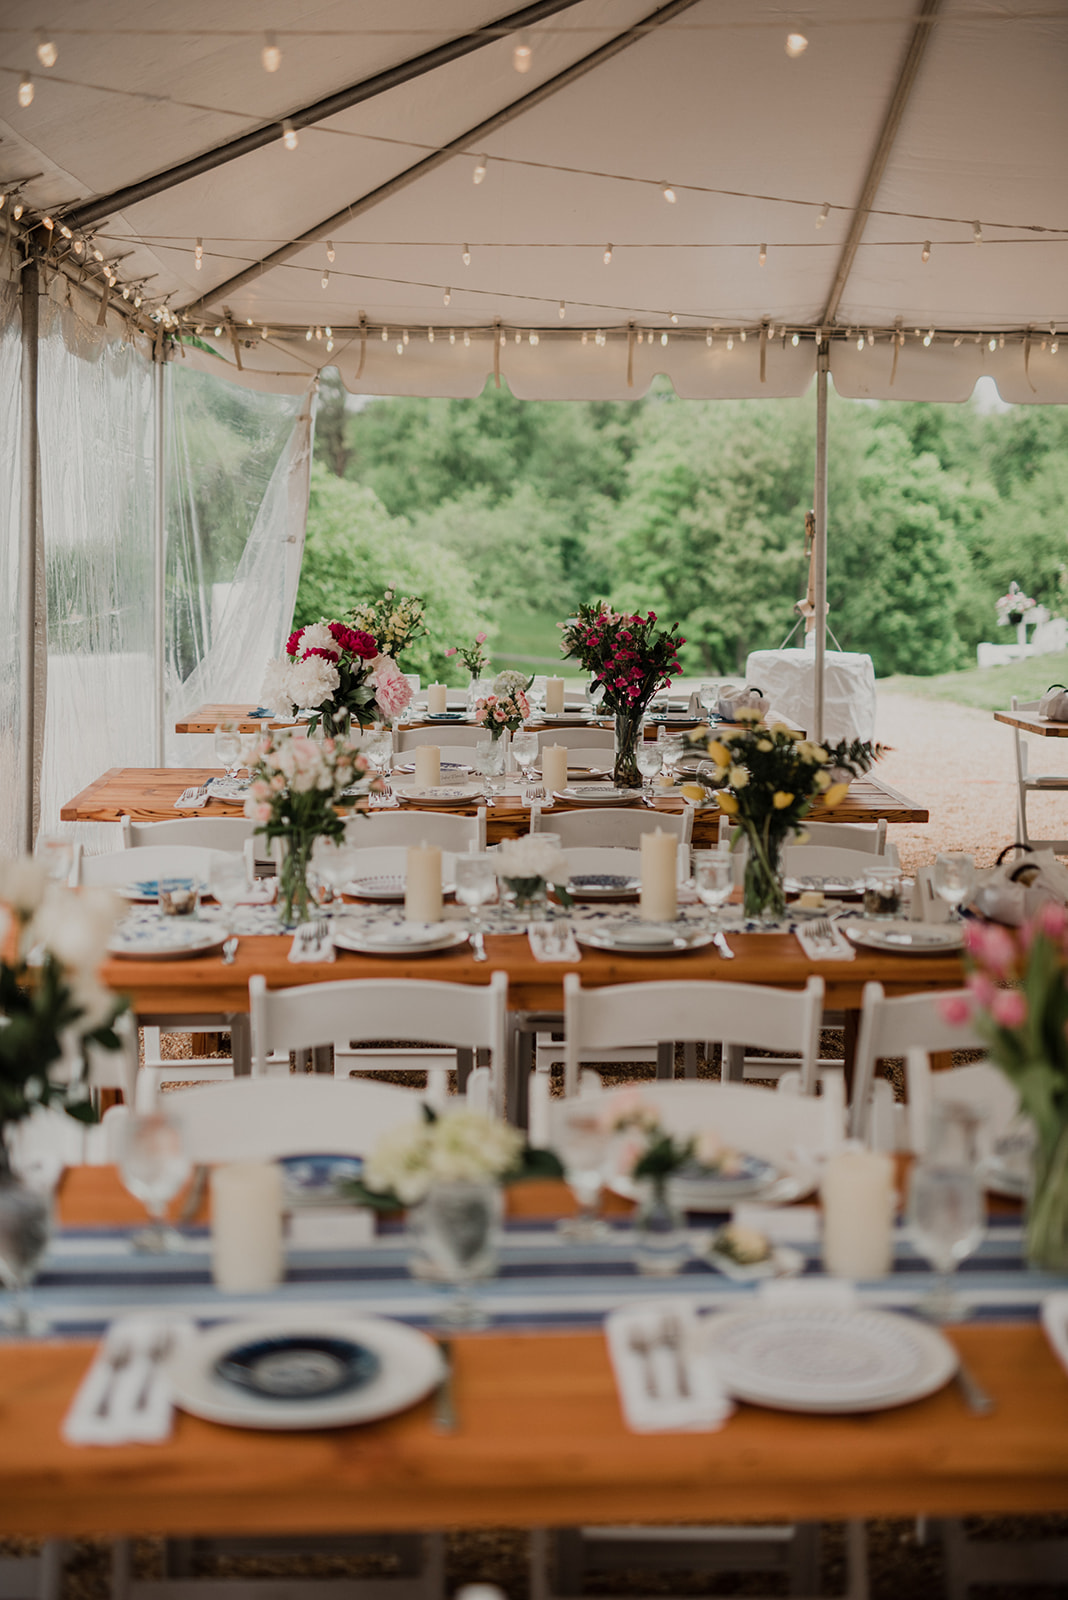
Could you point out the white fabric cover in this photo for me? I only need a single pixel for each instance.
(788, 677)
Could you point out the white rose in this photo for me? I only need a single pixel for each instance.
(23, 884)
(531, 857)
(313, 680)
(76, 927)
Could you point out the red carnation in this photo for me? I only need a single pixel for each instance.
(327, 655)
(293, 642)
(354, 641)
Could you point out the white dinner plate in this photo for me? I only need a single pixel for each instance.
(905, 938)
(793, 1181)
(398, 939)
(596, 794)
(603, 886)
(387, 886)
(452, 767)
(167, 939)
(830, 884)
(442, 794)
(580, 714)
(410, 1365)
(827, 1359)
(644, 938)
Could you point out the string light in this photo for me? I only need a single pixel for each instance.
(467, 341)
(325, 279)
(928, 336)
(742, 335)
(608, 255)
(1001, 342)
(534, 337)
(708, 338)
(1053, 347)
(79, 246)
(452, 335)
(430, 336)
(330, 251)
(585, 337)
(663, 338)
(958, 341)
(329, 346)
(289, 135)
(25, 91)
(47, 54)
(97, 253)
(860, 342)
(270, 55)
(385, 335)
(400, 347)
(139, 301)
(328, 331)
(465, 255)
(796, 44)
(562, 312)
(824, 214)
(404, 337)
(198, 255)
(730, 341)
(992, 344)
(674, 318)
(65, 231)
(522, 54)
(925, 253)
(126, 291)
(480, 171)
(218, 333)
(763, 256)
(263, 333)
(669, 194)
(46, 222)
(796, 340)
(871, 338)
(446, 297)
(248, 323)
(977, 233)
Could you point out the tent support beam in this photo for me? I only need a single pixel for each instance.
(28, 553)
(922, 29)
(159, 570)
(819, 547)
(473, 136)
(81, 216)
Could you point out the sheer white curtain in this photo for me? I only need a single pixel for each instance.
(237, 503)
(10, 505)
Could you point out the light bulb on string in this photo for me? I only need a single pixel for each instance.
(47, 54)
(992, 344)
(608, 255)
(585, 337)
(467, 341)
(1001, 342)
(79, 247)
(263, 333)
(430, 336)
(1053, 347)
(46, 222)
(126, 291)
(708, 338)
(535, 338)
(17, 209)
(925, 253)
(218, 332)
(404, 337)
(824, 214)
(329, 332)
(871, 338)
(198, 255)
(480, 171)
(385, 335)
(97, 253)
(248, 323)
(329, 346)
(663, 338)
(452, 335)
(860, 342)
(465, 255)
(289, 135)
(25, 91)
(562, 312)
(928, 336)
(669, 194)
(139, 301)
(270, 55)
(518, 337)
(522, 54)
(325, 280)
(796, 45)
(308, 337)
(675, 318)
(762, 255)
(742, 335)
(796, 340)
(400, 347)
(958, 341)
(730, 341)
(977, 233)
(330, 251)
(65, 231)
(447, 296)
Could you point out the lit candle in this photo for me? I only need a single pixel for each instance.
(247, 1255)
(554, 696)
(427, 766)
(554, 768)
(858, 1212)
(436, 699)
(659, 870)
(422, 888)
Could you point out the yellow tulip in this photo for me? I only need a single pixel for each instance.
(719, 754)
(726, 802)
(780, 799)
(694, 792)
(835, 795)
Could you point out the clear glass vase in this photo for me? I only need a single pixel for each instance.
(528, 898)
(763, 894)
(337, 721)
(25, 1227)
(1047, 1219)
(296, 899)
(456, 1231)
(661, 1247)
(629, 731)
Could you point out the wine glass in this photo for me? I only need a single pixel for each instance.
(954, 879)
(649, 758)
(709, 696)
(57, 855)
(229, 748)
(334, 861)
(489, 761)
(582, 1141)
(25, 1228)
(378, 748)
(671, 748)
(153, 1166)
(945, 1204)
(476, 886)
(458, 1225)
(713, 873)
(228, 881)
(525, 750)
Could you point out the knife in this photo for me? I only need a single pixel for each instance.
(445, 1419)
(720, 942)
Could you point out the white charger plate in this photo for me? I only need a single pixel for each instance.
(442, 794)
(387, 886)
(829, 883)
(644, 939)
(793, 1181)
(621, 887)
(596, 794)
(404, 939)
(905, 938)
(169, 939)
(826, 1359)
(410, 1365)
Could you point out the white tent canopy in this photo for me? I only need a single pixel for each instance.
(902, 129)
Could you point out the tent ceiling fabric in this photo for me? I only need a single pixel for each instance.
(753, 142)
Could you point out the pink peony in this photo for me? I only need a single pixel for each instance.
(392, 689)
(994, 947)
(1009, 1008)
(956, 1009)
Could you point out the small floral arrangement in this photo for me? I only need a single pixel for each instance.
(341, 673)
(650, 1152)
(629, 656)
(474, 658)
(457, 1147)
(528, 866)
(52, 1006)
(504, 713)
(395, 620)
(1014, 606)
(510, 682)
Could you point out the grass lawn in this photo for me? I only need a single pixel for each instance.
(987, 688)
(533, 643)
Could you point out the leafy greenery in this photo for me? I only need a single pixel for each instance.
(988, 688)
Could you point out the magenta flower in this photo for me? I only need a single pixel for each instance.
(1009, 1008)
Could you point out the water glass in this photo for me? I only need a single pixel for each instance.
(378, 748)
(671, 748)
(476, 883)
(649, 757)
(153, 1166)
(954, 879)
(334, 861)
(945, 1205)
(179, 895)
(525, 750)
(25, 1226)
(229, 748)
(57, 856)
(883, 893)
(458, 1225)
(228, 882)
(713, 873)
(489, 761)
(583, 1143)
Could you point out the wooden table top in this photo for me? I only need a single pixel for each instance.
(147, 794)
(1031, 722)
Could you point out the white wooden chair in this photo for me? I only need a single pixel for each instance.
(121, 867)
(612, 826)
(469, 1016)
(868, 836)
(891, 1028)
(584, 738)
(591, 756)
(833, 860)
(737, 1013)
(458, 834)
(455, 733)
(979, 1085)
(212, 833)
(1032, 783)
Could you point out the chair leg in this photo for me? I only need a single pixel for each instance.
(121, 1569)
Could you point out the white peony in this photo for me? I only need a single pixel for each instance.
(76, 927)
(531, 857)
(460, 1147)
(317, 636)
(312, 681)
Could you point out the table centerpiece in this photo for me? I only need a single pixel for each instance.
(527, 868)
(342, 673)
(632, 659)
(502, 713)
(395, 621)
(651, 1156)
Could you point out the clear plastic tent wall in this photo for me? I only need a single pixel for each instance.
(10, 504)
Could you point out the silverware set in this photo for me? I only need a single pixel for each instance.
(312, 934)
(120, 1359)
(667, 1336)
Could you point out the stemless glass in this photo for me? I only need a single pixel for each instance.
(228, 881)
(525, 750)
(229, 748)
(153, 1166)
(583, 1142)
(25, 1226)
(458, 1226)
(954, 879)
(334, 861)
(945, 1204)
(476, 886)
(671, 748)
(713, 873)
(649, 757)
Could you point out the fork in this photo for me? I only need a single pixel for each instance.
(671, 1337)
(821, 931)
(117, 1362)
(158, 1351)
(643, 1346)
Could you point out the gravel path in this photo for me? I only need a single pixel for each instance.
(959, 763)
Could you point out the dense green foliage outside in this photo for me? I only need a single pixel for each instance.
(517, 511)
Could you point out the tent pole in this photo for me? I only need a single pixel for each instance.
(820, 544)
(159, 570)
(28, 553)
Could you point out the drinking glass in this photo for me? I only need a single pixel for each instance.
(709, 695)
(335, 863)
(525, 750)
(25, 1226)
(153, 1166)
(945, 1205)
(458, 1225)
(954, 880)
(378, 748)
(228, 881)
(57, 855)
(489, 761)
(713, 873)
(671, 748)
(229, 748)
(582, 1141)
(649, 757)
(476, 886)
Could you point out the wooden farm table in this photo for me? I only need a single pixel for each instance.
(147, 794)
(1031, 722)
(207, 718)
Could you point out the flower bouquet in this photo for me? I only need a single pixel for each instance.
(474, 658)
(341, 673)
(394, 621)
(1018, 978)
(631, 658)
(652, 1155)
(1013, 607)
(502, 713)
(527, 867)
(296, 783)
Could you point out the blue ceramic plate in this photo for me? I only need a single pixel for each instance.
(299, 1366)
(309, 1179)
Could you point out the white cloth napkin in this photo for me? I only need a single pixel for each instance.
(193, 799)
(306, 947)
(1055, 1324)
(667, 1409)
(131, 1403)
(553, 941)
(837, 948)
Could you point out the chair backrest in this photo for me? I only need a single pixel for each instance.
(979, 1085)
(867, 836)
(143, 864)
(736, 1013)
(611, 825)
(389, 859)
(893, 1028)
(458, 834)
(604, 859)
(592, 755)
(457, 733)
(828, 861)
(583, 738)
(210, 833)
(763, 1122)
(420, 1010)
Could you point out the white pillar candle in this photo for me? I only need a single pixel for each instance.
(422, 888)
(554, 767)
(427, 766)
(247, 1255)
(554, 696)
(659, 873)
(858, 1212)
(436, 699)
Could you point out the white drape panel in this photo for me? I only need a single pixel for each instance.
(10, 507)
(237, 503)
(95, 418)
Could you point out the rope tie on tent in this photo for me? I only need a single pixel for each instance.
(763, 352)
(105, 296)
(497, 354)
(630, 355)
(1027, 359)
(897, 339)
(363, 346)
(232, 331)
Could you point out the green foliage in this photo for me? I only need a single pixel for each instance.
(988, 688)
(37, 1009)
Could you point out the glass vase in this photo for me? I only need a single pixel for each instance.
(628, 733)
(456, 1231)
(337, 720)
(295, 897)
(1047, 1221)
(763, 894)
(661, 1246)
(528, 898)
(25, 1226)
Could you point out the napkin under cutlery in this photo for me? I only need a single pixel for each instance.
(312, 942)
(553, 941)
(665, 1382)
(125, 1397)
(824, 945)
(193, 799)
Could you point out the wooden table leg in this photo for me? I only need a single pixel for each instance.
(849, 1049)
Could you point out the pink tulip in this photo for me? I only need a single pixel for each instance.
(1009, 1008)
(983, 990)
(956, 1010)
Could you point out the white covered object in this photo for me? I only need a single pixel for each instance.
(787, 677)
